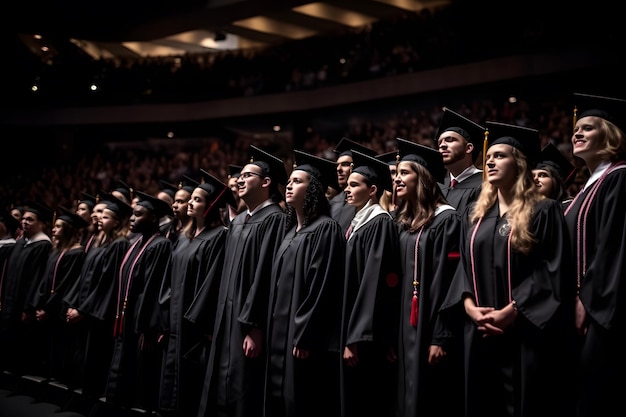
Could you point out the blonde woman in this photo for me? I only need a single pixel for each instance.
(513, 284)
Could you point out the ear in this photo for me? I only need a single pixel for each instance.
(373, 190)
(266, 182)
(469, 148)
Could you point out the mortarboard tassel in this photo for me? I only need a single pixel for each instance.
(485, 155)
(575, 117)
(414, 305)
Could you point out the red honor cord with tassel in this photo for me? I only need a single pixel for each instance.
(414, 305)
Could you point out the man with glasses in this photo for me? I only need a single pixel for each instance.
(339, 209)
(233, 384)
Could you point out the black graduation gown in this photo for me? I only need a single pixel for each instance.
(599, 248)
(233, 381)
(370, 311)
(193, 261)
(25, 268)
(463, 192)
(62, 270)
(533, 357)
(341, 211)
(98, 309)
(133, 378)
(305, 312)
(75, 297)
(423, 389)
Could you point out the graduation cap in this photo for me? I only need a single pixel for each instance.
(155, 205)
(9, 221)
(89, 200)
(188, 184)
(608, 108)
(346, 146)
(373, 169)
(552, 156)
(390, 158)
(125, 189)
(43, 211)
(270, 165)
(168, 188)
(469, 130)
(324, 170)
(426, 156)
(525, 139)
(234, 171)
(219, 193)
(116, 205)
(70, 217)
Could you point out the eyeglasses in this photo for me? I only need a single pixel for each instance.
(248, 174)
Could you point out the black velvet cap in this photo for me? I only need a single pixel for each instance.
(608, 108)
(426, 156)
(525, 139)
(346, 146)
(234, 171)
(70, 217)
(324, 170)
(390, 158)
(272, 166)
(125, 189)
(168, 188)
(373, 169)
(188, 184)
(89, 200)
(552, 156)
(469, 130)
(219, 193)
(9, 221)
(116, 205)
(43, 211)
(155, 205)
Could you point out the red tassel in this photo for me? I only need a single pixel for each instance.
(414, 311)
(117, 319)
(121, 323)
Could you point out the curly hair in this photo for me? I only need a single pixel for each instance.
(315, 204)
(525, 197)
(427, 197)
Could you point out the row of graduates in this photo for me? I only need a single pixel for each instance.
(508, 307)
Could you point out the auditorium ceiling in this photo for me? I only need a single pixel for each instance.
(135, 28)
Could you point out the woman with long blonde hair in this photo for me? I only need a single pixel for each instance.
(513, 285)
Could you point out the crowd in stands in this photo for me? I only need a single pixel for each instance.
(455, 34)
(57, 180)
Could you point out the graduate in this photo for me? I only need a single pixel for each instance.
(174, 229)
(139, 326)
(460, 141)
(84, 208)
(340, 210)
(430, 359)
(597, 227)
(190, 293)
(24, 271)
(305, 299)
(233, 384)
(371, 292)
(553, 174)
(62, 271)
(91, 301)
(514, 288)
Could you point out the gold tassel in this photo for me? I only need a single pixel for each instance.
(485, 154)
(575, 117)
